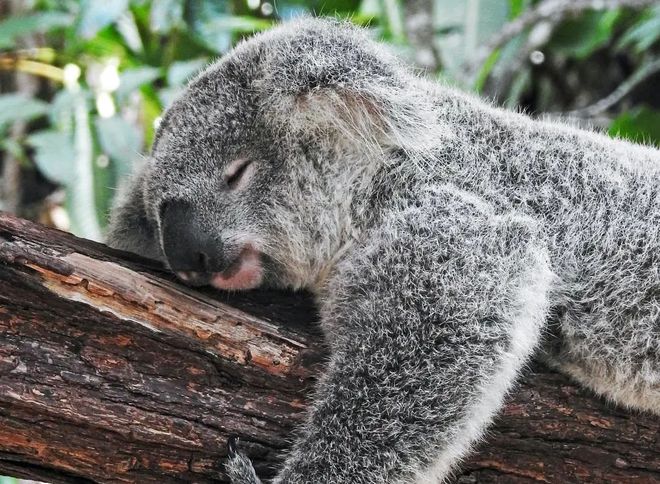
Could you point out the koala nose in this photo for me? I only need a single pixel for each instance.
(188, 245)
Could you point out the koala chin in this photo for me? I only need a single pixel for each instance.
(446, 242)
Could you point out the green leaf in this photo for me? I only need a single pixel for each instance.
(54, 155)
(17, 107)
(120, 140)
(104, 179)
(15, 27)
(61, 110)
(152, 108)
(580, 37)
(641, 125)
(518, 87)
(467, 25)
(15, 149)
(216, 31)
(334, 7)
(96, 14)
(168, 95)
(238, 24)
(482, 76)
(165, 15)
(204, 19)
(340, 8)
(516, 7)
(106, 43)
(180, 72)
(80, 192)
(131, 79)
(128, 29)
(392, 13)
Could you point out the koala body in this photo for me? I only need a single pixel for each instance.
(446, 242)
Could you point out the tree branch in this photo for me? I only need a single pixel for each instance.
(418, 21)
(110, 371)
(625, 88)
(553, 11)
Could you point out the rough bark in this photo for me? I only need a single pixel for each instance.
(110, 371)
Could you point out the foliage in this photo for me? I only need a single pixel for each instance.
(111, 67)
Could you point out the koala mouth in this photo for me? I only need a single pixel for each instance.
(245, 272)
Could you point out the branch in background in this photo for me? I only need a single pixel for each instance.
(553, 11)
(599, 107)
(10, 61)
(11, 182)
(418, 21)
(503, 76)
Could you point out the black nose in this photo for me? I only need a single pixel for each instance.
(189, 244)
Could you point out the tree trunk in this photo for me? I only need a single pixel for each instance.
(110, 371)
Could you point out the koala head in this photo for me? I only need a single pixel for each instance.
(260, 170)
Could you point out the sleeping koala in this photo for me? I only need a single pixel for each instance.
(441, 237)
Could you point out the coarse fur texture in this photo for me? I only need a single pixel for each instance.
(446, 241)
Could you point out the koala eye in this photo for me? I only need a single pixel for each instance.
(237, 173)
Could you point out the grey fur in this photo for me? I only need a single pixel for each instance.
(446, 242)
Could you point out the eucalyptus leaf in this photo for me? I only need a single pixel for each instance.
(520, 83)
(641, 125)
(81, 196)
(370, 8)
(392, 12)
(236, 23)
(97, 14)
(203, 19)
(180, 72)
(13, 28)
(106, 43)
(485, 70)
(128, 29)
(120, 140)
(165, 15)
(516, 7)
(54, 155)
(582, 36)
(14, 148)
(167, 95)
(18, 107)
(217, 34)
(131, 79)
(288, 11)
(332, 7)
(467, 26)
(61, 110)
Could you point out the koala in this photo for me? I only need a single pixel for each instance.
(446, 242)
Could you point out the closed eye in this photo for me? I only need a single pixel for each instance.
(236, 172)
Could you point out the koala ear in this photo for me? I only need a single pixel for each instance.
(323, 77)
(130, 228)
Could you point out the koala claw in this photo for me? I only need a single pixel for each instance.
(232, 447)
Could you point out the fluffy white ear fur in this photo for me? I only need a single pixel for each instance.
(373, 118)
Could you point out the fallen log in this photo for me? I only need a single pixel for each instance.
(111, 371)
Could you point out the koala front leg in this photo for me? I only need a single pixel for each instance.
(429, 324)
(130, 227)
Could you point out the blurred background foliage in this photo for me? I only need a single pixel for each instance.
(83, 83)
